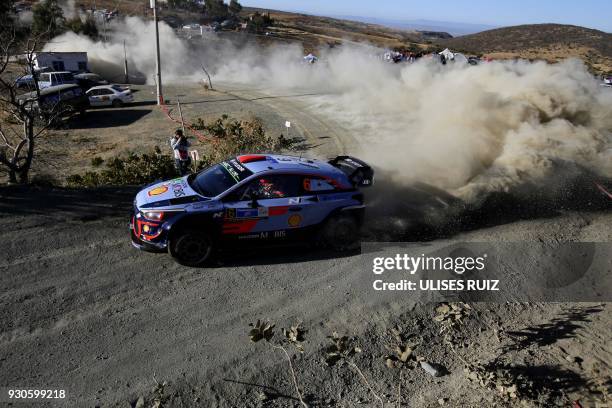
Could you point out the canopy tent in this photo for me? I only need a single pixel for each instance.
(310, 59)
(453, 56)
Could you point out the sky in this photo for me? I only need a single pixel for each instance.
(587, 13)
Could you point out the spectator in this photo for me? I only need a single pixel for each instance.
(180, 147)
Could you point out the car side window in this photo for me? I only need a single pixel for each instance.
(274, 186)
(44, 77)
(106, 92)
(317, 185)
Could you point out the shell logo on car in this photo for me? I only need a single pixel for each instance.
(294, 220)
(158, 190)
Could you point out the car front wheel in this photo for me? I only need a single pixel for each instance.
(191, 248)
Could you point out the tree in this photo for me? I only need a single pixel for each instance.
(47, 17)
(182, 4)
(235, 7)
(87, 27)
(6, 7)
(259, 22)
(216, 9)
(22, 120)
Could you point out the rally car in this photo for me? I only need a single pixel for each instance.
(252, 198)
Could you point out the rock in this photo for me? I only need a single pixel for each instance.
(140, 403)
(433, 371)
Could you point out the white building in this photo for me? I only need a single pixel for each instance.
(61, 61)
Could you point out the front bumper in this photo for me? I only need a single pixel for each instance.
(142, 244)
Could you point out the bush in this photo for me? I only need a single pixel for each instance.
(230, 138)
(131, 170)
(233, 137)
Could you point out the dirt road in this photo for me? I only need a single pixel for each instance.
(81, 310)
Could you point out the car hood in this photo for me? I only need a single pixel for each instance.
(166, 193)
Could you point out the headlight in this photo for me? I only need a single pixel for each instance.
(154, 215)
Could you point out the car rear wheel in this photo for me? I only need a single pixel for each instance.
(191, 248)
(340, 233)
(117, 103)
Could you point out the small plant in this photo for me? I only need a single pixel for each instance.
(500, 379)
(401, 356)
(97, 161)
(292, 337)
(340, 351)
(451, 316)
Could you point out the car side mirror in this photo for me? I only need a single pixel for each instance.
(253, 197)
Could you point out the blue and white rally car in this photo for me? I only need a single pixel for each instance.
(252, 198)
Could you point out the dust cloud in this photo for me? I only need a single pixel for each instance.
(107, 58)
(469, 130)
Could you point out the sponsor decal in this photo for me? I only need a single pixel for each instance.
(158, 190)
(231, 171)
(294, 220)
(237, 165)
(265, 235)
(294, 201)
(178, 188)
(230, 213)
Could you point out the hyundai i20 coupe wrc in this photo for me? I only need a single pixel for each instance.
(253, 198)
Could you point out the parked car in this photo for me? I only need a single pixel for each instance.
(67, 98)
(249, 199)
(109, 95)
(89, 80)
(47, 79)
(27, 81)
(193, 26)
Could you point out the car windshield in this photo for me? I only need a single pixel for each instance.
(117, 88)
(219, 178)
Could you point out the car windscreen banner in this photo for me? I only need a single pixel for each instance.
(485, 272)
(236, 170)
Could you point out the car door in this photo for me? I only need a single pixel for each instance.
(93, 96)
(268, 207)
(105, 96)
(44, 81)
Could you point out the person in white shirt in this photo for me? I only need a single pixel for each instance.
(180, 147)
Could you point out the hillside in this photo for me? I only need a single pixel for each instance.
(314, 31)
(551, 42)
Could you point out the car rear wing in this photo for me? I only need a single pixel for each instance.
(358, 172)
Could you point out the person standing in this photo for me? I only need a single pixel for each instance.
(180, 147)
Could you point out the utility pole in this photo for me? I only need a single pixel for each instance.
(125, 64)
(158, 80)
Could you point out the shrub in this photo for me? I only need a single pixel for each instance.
(233, 137)
(230, 138)
(131, 170)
